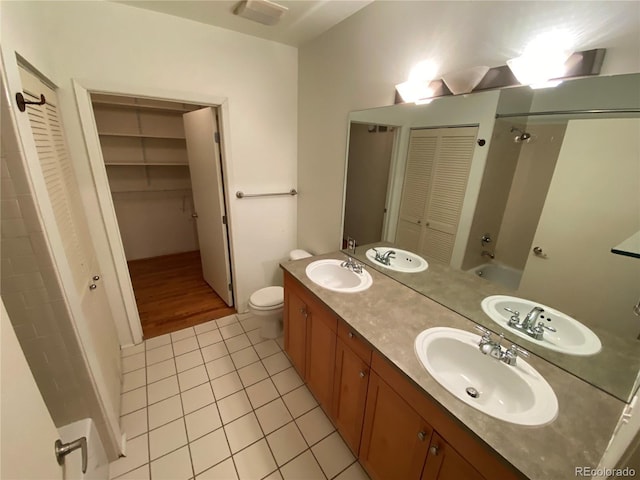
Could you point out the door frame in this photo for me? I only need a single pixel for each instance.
(115, 253)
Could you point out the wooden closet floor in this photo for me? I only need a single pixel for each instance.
(171, 294)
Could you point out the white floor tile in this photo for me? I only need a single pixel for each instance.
(220, 366)
(185, 345)
(252, 373)
(234, 406)
(175, 466)
(137, 455)
(304, 466)
(266, 348)
(226, 385)
(167, 438)
(209, 450)
(141, 473)
(274, 476)
(251, 323)
(197, 398)
(280, 342)
(159, 354)
(133, 380)
(273, 415)
(212, 352)
(192, 378)
(209, 338)
(161, 370)
(156, 342)
(244, 357)
(202, 421)
(286, 380)
(286, 443)
(237, 343)
(315, 425)
(206, 327)
(165, 411)
(276, 363)
(134, 424)
(230, 330)
(255, 461)
(354, 472)
(133, 400)
(243, 432)
(162, 389)
(132, 350)
(228, 320)
(189, 360)
(299, 401)
(255, 337)
(262, 393)
(333, 455)
(133, 362)
(223, 471)
(182, 334)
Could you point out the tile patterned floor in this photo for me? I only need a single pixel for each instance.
(217, 401)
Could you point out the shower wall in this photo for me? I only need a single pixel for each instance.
(531, 180)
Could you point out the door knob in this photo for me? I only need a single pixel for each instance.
(537, 251)
(194, 215)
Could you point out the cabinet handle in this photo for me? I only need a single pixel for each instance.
(362, 374)
(351, 335)
(434, 450)
(422, 436)
(303, 311)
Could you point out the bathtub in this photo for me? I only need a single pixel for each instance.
(97, 464)
(494, 272)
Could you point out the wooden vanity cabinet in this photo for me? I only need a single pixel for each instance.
(444, 463)
(310, 332)
(353, 358)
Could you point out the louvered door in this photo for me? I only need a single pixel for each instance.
(435, 183)
(87, 297)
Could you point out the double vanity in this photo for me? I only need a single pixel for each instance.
(418, 391)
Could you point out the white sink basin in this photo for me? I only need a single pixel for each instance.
(330, 274)
(516, 394)
(570, 336)
(402, 260)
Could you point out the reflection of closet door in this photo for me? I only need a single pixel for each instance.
(434, 188)
(591, 206)
(205, 167)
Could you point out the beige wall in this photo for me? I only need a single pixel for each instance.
(535, 167)
(32, 295)
(356, 64)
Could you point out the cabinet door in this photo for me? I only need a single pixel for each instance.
(395, 438)
(444, 463)
(321, 353)
(295, 328)
(349, 394)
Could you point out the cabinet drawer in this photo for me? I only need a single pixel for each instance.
(354, 342)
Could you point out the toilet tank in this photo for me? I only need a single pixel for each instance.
(298, 254)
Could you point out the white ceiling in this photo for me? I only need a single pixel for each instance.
(305, 19)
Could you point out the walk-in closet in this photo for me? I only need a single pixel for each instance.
(163, 164)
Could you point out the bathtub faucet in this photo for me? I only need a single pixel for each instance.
(487, 253)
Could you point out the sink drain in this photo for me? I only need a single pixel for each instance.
(472, 392)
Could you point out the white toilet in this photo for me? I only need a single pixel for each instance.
(267, 303)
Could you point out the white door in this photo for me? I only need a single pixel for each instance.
(592, 205)
(201, 130)
(28, 433)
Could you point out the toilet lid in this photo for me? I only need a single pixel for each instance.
(267, 297)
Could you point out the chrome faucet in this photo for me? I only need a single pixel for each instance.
(385, 258)
(531, 318)
(495, 349)
(487, 253)
(528, 324)
(351, 264)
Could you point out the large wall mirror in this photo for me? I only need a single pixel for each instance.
(519, 200)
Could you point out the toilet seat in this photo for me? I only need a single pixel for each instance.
(268, 298)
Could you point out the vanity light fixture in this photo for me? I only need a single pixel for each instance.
(543, 63)
(416, 88)
(261, 11)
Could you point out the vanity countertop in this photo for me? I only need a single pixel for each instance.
(390, 316)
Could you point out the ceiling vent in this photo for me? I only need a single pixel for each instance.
(261, 11)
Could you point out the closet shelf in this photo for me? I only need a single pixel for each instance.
(151, 190)
(139, 135)
(146, 164)
(137, 106)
